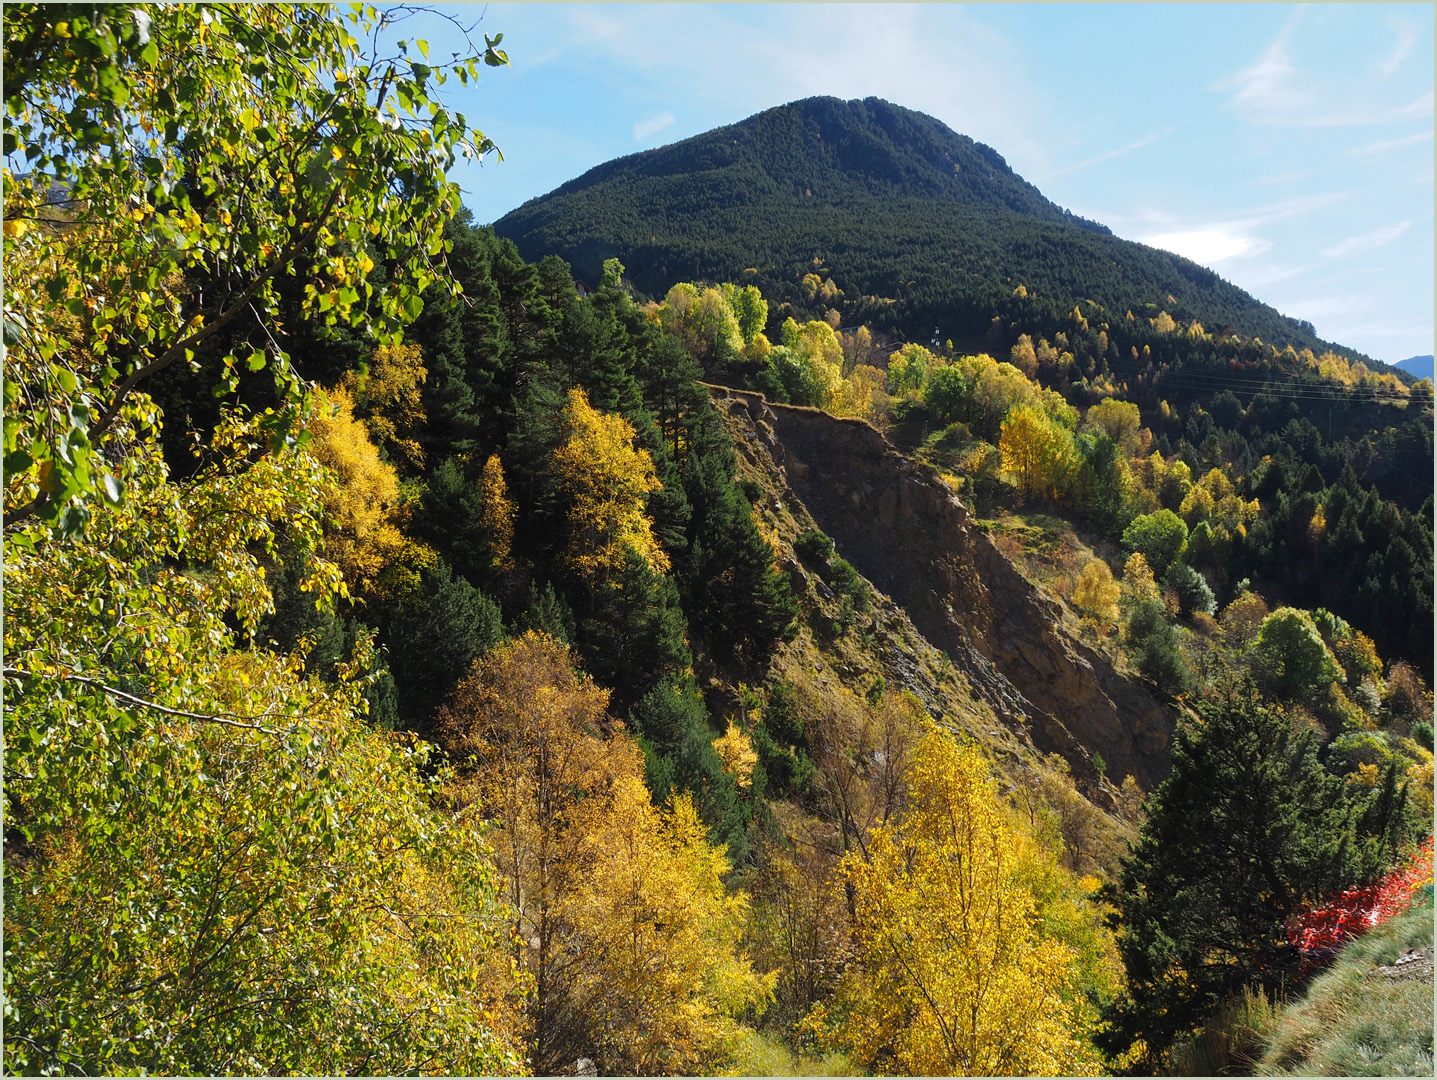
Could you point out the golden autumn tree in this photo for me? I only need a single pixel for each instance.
(737, 754)
(1118, 420)
(388, 400)
(1036, 451)
(957, 980)
(661, 973)
(363, 535)
(523, 728)
(497, 512)
(1139, 585)
(1023, 357)
(607, 480)
(620, 915)
(1097, 593)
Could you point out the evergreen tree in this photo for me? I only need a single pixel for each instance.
(740, 602)
(434, 637)
(633, 632)
(1247, 831)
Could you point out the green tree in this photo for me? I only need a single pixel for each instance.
(946, 393)
(1159, 537)
(1290, 657)
(1194, 593)
(1154, 644)
(434, 637)
(1247, 831)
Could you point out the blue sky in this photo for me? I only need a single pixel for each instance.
(1290, 148)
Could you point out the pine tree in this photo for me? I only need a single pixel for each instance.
(1247, 831)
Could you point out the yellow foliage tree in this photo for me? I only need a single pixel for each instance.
(662, 975)
(1097, 593)
(523, 729)
(703, 320)
(607, 480)
(497, 512)
(957, 979)
(909, 368)
(1164, 323)
(737, 754)
(388, 400)
(620, 914)
(1119, 420)
(1023, 357)
(1138, 581)
(362, 506)
(1035, 450)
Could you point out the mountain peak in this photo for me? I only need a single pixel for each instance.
(821, 147)
(922, 230)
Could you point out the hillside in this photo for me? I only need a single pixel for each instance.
(906, 532)
(417, 664)
(920, 227)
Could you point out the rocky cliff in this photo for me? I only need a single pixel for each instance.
(904, 529)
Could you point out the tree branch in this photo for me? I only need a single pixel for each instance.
(234, 720)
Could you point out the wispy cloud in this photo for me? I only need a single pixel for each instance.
(1368, 241)
(1407, 37)
(1392, 144)
(1275, 90)
(1281, 178)
(652, 126)
(1419, 108)
(1267, 87)
(1238, 237)
(1113, 153)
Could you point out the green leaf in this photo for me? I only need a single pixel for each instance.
(256, 360)
(113, 489)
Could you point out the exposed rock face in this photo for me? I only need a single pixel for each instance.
(905, 531)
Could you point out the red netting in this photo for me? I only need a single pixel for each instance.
(1319, 933)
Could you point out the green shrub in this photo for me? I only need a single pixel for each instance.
(813, 546)
(1192, 588)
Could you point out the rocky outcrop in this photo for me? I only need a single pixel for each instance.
(903, 528)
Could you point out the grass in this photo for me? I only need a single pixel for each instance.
(1353, 1020)
(1230, 1042)
(757, 1054)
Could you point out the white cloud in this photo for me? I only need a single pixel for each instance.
(652, 126)
(1208, 245)
(1419, 108)
(1368, 241)
(1267, 87)
(1392, 144)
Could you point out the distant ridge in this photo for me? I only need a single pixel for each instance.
(919, 226)
(1419, 366)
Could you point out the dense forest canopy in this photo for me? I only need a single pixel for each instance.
(407, 670)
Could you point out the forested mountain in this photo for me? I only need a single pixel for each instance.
(918, 227)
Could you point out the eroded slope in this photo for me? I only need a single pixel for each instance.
(908, 534)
